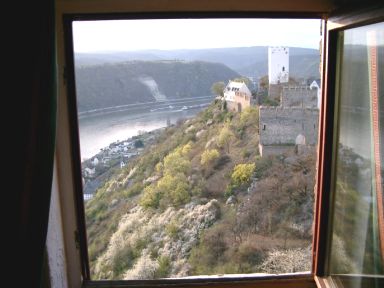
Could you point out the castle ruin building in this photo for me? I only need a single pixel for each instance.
(292, 126)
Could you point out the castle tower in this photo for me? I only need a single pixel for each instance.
(278, 65)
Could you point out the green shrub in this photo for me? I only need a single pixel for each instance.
(250, 253)
(170, 190)
(180, 194)
(263, 164)
(245, 153)
(229, 191)
(225, 137)
(163, 268)
(199, 188)
(240, 131)
(175, 188)
(159, 167)
(249, 116)
(220, 117)
(151, 197)
(135, 189)
(209, 156)
(172, 230)
(242, 173)
(184, 150)
(123, 261)
(176, 162)
(210, 252)
(207, 114)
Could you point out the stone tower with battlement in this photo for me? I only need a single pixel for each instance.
(292, 126)
(278, 65)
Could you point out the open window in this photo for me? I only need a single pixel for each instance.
(346, 180)
(195, 188)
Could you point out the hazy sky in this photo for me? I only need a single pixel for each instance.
(123, 35)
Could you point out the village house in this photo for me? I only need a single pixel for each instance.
(237, 95)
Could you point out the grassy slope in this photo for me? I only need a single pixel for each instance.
(275, 212)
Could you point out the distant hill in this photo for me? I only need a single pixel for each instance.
(247, 61)
(108, 85)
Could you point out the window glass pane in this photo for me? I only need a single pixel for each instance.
(357, 235)
(198, 143)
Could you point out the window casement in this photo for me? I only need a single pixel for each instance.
(349, 228)
(331, 114)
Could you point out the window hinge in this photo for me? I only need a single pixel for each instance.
(77, 239)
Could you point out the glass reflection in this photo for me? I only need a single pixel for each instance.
(358, 191)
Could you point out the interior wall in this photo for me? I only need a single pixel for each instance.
(55, 240)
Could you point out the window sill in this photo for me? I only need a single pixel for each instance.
(281, 281)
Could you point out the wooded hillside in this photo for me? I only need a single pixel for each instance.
(109, 85)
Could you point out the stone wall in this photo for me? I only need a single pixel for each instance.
(265, 150)
(298, 96)
(282, 125)
(274, 91)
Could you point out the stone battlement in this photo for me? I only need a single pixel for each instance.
(267, 110)
(298, 96)
(297, 87)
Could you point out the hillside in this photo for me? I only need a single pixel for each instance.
(109, 85)
(247, 61)
(199, 200)
(301, 66)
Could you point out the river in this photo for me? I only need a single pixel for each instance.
(99, 131)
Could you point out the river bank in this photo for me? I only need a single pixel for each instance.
(98, 132)
(97, 169)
